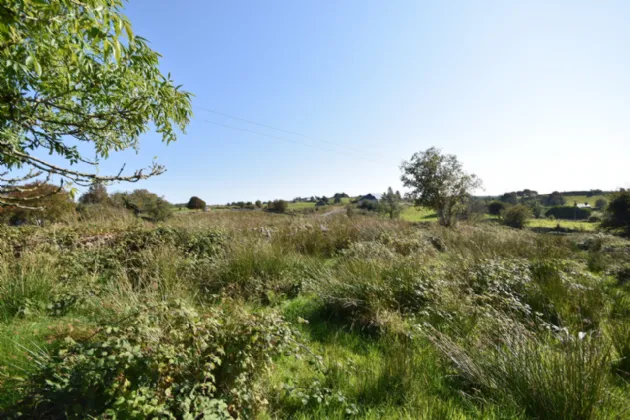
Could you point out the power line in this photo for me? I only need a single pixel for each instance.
(231, 127)
(295, 133)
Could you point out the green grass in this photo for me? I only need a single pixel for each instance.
(414, 214)
(566, 224)
(581, 199)
(301, 205)
(337, 317)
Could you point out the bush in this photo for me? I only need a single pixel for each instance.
(594, 218)
(196, 203)
(569, 213)
(278, 206)
(554, 199)
(55, 205)
(496, 207)
(162, 361)
(143, 202)
(618, 212)
(516, 216)
(601, 204)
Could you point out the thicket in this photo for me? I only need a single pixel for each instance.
(569, 212)
(253, 315)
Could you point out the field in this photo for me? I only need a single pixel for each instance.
(564, 224)
(259, 315)
(580, 199)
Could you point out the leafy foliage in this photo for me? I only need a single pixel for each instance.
(496, 207)
(278, 206)
(166, 361)
(74, 71)
(618, 212)
(46, 204)
(390, 204)
(196, 203)
(438, 181)
(96, 194)
(143, 202)
(516, 216)
(569, 213)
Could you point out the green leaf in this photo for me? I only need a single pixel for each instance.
(117, 49)
(38, 68)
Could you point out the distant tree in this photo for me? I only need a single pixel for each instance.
(510, 198)
(96, 194)
(390, 204)
(555, 199)
(475, 210)
(46, 204)
(601, 204)
(496, 207)
(618, 212)
(438, 181)
(516, 216)
(324, 199)
(337, 200)
(398, 195)
(144, 203)
(73, 71)
(196, 203)
(258, 203)
(537, 209)
(278, 206)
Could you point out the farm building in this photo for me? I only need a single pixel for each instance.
(370, 197)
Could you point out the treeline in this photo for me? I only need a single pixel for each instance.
(43, 203)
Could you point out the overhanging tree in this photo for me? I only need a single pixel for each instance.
(73, 73)
(438, 181)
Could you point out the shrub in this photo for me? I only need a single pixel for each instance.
(510, 198)
(496, 208)
(54, 205)
(516, 216)
(537, 209)
(554, 199)
(196, 203)
(258, 204)
(160, 361)
(143, 202)
(278, 206)
(372, 293)
(618, 212)
(96, 194)
(569, 213)
(601, 204)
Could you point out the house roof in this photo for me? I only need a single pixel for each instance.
(371, 196)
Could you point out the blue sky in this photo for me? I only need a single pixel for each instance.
(528, 94)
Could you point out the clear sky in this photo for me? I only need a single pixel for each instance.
(528, 94)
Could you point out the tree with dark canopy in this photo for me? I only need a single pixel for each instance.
(96, 194)
(196, 203)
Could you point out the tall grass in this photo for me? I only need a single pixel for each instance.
(519, 324)
(549, 377)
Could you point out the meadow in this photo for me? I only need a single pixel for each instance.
(249, 314)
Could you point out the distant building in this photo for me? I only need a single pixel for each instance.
(583, 205)
(374, 198)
